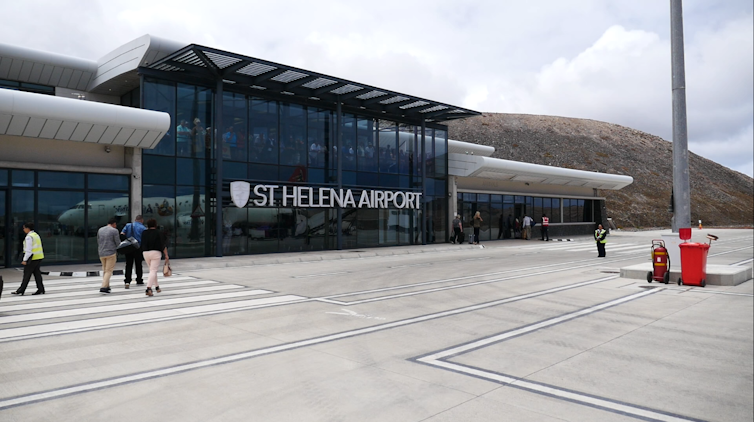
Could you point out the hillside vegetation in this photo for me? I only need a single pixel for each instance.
(719, 196)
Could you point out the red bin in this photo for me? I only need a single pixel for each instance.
(693, 264)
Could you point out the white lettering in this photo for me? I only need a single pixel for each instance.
(263, 201)
(272, 202)
(378, 195)
(403, 200)
(338, 197)
(389, 198)
(349, 199)
(305, 197)
(364, 200)
(293, 195)
(322, 196)
(418, 200)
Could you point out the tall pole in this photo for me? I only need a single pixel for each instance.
(339, 163)
(423, 221)
(218, 135)
(681, 189)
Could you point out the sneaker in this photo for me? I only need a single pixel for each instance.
(128, 286)
(104, 290)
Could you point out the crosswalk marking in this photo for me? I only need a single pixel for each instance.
(152, 303)
(94, 288)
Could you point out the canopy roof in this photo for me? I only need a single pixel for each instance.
(206, 63)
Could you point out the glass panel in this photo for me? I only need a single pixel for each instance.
(159, 203)
(484, 232)
(235, 230)
(510, 222)
(188, 172)
(387, 147)
(263, 230)
(262, 172)
(469, 197)
(293, 151)
(349, 142)
(293, 174)
(235, 121)
(235, 171)
(56, 179)
(316, 228)
(555, 218)
(496, 198)
(429, 151)
(367, 179)
(22, 211)
(3, 177)
(349, 178)
(23, 178)
(588, 211)
(319, 137)
(441, 153)
(566, 210)
(483, 197)
(405, 149)
(367, 159)
(408, 224)
(547, 208)
(440, 220)
(64, 244)
(317, 175)
(577, 210)
(349, 227)
(389, 181)
(101, 206)
(537, 212)
(388, 222)
(497, 220)
(190, 230)
(3, 229)
(263, 119)
(194, 105)
(114, 182)
(160, 96)
(370, 226)
(159, 170)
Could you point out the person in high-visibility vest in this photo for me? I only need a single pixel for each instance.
(545, 227)
(600, 236)
(33, 255)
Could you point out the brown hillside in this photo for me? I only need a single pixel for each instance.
(719, 195)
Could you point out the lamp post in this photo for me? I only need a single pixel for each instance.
(681, 191)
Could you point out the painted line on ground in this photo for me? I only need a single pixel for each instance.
(141, 376)
(145, 304)
(412, 265)
(439, 359)
(745, 261)
(71, 291)
(99, 298)
(319, 275)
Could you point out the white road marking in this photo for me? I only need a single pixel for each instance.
(744, 262)
(355, 314)
(145, 304)
(319, 275)
(81, 325)
(98, 298)
(412, 265)
(44, 330)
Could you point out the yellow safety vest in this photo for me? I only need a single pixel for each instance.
(597, 234)
(36, 246)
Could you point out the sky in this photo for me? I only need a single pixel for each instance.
(606, 60)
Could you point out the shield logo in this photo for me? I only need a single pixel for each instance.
(239, 193)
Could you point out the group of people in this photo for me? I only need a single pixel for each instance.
(152, 245)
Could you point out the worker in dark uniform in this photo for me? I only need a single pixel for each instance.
(600, 236)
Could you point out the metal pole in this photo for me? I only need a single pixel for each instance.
(424, 185)
(681, 189)
(219, 168)
(339, 163)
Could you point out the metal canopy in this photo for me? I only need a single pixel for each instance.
(210, 64)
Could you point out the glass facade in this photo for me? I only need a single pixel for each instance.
(267, 141)
(67, 209)
(503, 214)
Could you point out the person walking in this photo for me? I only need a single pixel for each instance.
(107, 246)
(153, 246)
(477, 223)
(32, 260)
(457, 229)
(527, 227)
(600, 236)
(545, 228)
(135, 258)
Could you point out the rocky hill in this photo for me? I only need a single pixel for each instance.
(719, 196)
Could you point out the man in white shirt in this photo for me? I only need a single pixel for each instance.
(527, 227)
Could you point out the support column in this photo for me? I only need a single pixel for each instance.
(681, 188)
(218, 134)
(136, 189)
(339, 146)
(452, 200)
(423, 222)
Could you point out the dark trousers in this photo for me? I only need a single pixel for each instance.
(601, 250)
(456, 234)
(476, 234)
(32, 267)
(134, 259)
(545, 234)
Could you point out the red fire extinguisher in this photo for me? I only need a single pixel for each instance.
(660, 263)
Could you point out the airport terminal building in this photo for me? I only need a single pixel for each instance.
(236, 155)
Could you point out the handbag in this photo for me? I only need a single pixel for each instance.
(128, 246)
(166, 270)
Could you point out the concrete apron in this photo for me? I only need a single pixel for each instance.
(717, 275)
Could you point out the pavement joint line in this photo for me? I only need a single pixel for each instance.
(745, 261)
(235, 357)
(319, 275)
(440, 359)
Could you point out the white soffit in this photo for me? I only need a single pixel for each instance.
(41, 67)
(44, 116)
(464, 165)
